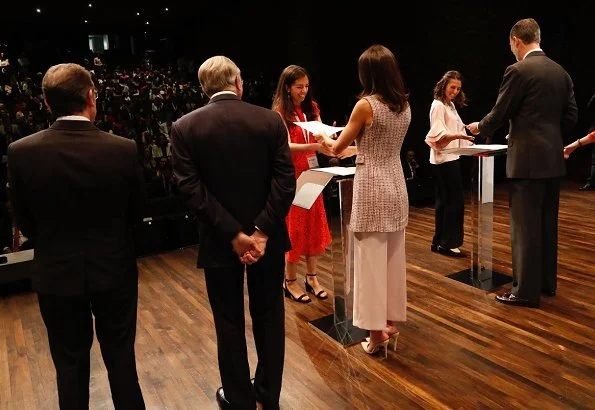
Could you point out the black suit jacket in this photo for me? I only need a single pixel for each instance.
(77, 192)
(537, 98)
(232, 160)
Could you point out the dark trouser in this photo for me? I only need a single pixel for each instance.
(534, 207)
(225, 287)
(69, 324)
(591, 179)
(420, 191)
(450, 205)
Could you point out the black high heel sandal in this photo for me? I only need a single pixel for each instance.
(322, 294)
(288, 294)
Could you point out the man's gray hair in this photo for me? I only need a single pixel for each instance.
(216, 74)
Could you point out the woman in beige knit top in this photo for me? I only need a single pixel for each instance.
(378, 124)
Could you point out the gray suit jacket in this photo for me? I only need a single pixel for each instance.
(537, 98)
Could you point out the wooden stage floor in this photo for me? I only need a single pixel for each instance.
(458, 349)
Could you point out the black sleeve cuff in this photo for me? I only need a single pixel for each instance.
(249, 229)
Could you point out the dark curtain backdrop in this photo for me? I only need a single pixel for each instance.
(427, 37)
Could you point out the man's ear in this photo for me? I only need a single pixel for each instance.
(91, 102)
(239, 85)
(45, 102)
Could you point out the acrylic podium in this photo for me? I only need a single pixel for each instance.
(481, 274)
(338, 325)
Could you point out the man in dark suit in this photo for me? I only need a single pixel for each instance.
(537, 97)
(76, 192)
(232, 160)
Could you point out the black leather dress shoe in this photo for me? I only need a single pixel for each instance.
(587, 187)
(221, 400)
(448, 252)
(510, 299)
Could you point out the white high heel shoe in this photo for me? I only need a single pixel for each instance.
(372, 348)
(392, 339)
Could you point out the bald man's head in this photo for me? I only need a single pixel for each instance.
(66, 88)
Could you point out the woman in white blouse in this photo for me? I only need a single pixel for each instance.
(447, 131)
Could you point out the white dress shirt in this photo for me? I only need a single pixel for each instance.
(530, 51)
(223, 92)
(72, 118)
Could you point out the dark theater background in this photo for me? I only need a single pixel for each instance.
(459, 348)
(326, 37)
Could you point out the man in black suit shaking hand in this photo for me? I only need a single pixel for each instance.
(537, 98)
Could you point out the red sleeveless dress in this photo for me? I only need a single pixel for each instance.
(308, 228)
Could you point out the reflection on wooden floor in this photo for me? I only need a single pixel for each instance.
(458, 349)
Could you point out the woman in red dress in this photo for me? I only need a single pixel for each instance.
(308, 228)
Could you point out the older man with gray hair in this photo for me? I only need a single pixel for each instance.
(232, 161)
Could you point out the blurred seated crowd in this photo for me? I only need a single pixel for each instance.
(139, 102)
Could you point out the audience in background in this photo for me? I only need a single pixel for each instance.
(420, 187)
(136, 102)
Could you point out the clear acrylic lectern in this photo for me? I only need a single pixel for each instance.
(338, 325)
(481, 274)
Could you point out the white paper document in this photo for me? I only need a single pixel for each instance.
(343, 171)
(316, 126)
(307, 194)
(476, 149)
(20, 256)
(309, 186)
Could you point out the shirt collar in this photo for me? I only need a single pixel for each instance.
(223, 92)
(72, 118)
(530, 51)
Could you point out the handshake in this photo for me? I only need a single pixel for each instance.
(445, 139)
(326, 146)
(249, 248)
(473, 128)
